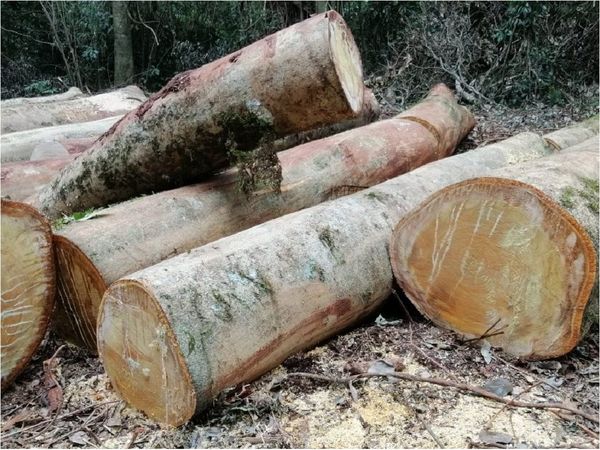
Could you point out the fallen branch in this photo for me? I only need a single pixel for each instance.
(474, 390)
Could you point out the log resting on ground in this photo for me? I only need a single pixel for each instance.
(31, 115)
(27, 281)
(173, 335)
(21, 179)
(20, 146)
(507, 255)
(302, 77)
(70, 94)
(133, 235)
(572, 135)
(591, 144)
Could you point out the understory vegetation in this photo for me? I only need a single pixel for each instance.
(508, 53)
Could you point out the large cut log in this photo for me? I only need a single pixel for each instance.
(31, 115)
(173, 335)
(21, 179)
(370, 112)
(20, 146)
(507, 256)
(70, 94)
(591, 144)
(299, 78)
(27, 285)
(570, 136)
(136, 234)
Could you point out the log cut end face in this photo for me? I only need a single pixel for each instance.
(80, 287)
(346, 58)
(27, 285)
(497, 257)
(141, 355)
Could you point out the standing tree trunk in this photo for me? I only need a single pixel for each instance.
(139, 233)
(507, 256)
(175, 334)
(27, 285)
(123, 47)
(299, 78)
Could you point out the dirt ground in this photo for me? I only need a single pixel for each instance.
(287, 411)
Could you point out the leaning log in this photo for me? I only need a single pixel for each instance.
(27, 285)
(299, 78)
(136, 234)
(31, 115)
(574, 134)
(20, 146)
(173, 335)
(507, 257)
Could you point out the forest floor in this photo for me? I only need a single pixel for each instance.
(285, 411)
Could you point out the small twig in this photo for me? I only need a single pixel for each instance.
(425, 355)
(529, 388)
(402, 305)
(486, 333)
(474, 390)
(131, 441)
(64, 416)
(92, 434)
(525, 373)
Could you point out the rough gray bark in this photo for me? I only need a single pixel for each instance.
(507, 253)
(122, 43)
(227, 312)
(304, 76)
(136, 234)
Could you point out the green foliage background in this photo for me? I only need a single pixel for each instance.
(505, 52)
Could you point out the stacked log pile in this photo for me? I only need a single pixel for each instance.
(205, 283)
(139, 233)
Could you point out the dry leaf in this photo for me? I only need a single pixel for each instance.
(79, 437)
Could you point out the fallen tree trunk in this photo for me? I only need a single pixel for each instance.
(133, 235)
(22, 179)
(304, 76)
(173, 335)
(27, 285)
(573, 135)
(20, 146)
(72, 93)
(62, 148)
(31, 115)
(591, 144)
(508, 256)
